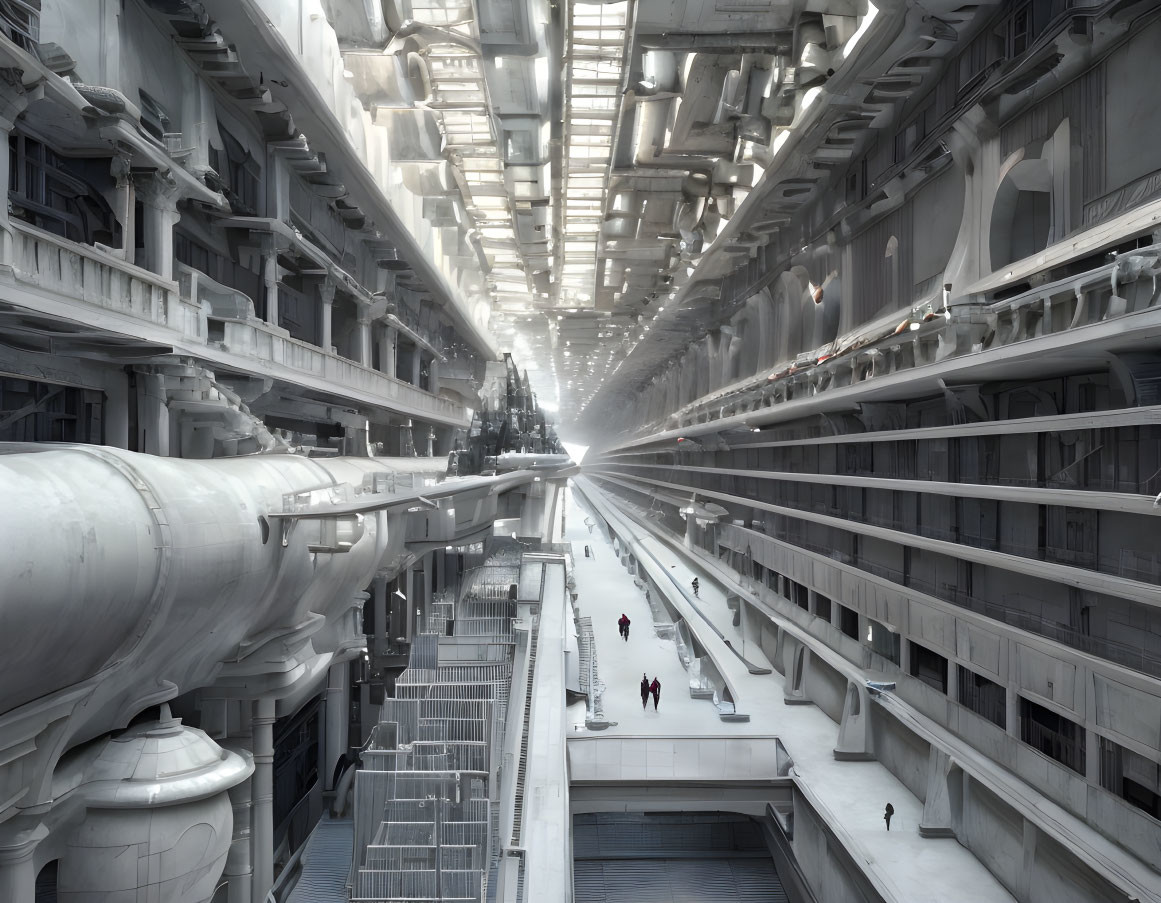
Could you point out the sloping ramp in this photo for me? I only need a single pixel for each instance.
(326, 863)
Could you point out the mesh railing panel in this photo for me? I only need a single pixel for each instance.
(439, 741)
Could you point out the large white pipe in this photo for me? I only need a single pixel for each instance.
(155, 571)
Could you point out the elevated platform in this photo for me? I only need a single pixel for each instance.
(847, 796)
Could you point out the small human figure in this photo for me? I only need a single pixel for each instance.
(588, 552)
(696, 586)
(887, 813)
(623, 626)
(644, 690)
(655, 689)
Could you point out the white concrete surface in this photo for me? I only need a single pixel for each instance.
(545, 834)
(595, 758)
(850, 795)
(605, 591)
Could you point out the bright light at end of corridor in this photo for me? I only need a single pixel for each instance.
(576, 452)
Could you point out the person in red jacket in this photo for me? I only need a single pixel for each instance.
(644, 690)
(655, 689)
(623, 626)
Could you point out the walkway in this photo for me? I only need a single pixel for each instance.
(850, 796)
(606, 590)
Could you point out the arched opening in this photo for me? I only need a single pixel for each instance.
(46, 883)
(1022, 209)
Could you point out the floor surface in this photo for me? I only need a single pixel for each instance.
(851, 795)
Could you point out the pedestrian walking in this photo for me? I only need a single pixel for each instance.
(655, 689)
(644, 690)
(623, 626)
(696, 586)
(887, 813)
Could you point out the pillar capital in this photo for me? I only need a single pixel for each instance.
(19, 841)
(157, 190)
(15, 97)
(326, 290)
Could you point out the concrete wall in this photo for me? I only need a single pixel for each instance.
(823, 860)
(905, 755)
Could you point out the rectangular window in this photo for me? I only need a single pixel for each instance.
(929, 666)
(1130, 776)
(884, 641)
(239, 171)
(849, 622)
(800, 595)
(1019, 32)
(48, 412)
(1052, 734)
(983, 696)
(822, 606)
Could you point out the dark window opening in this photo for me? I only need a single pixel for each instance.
(46, 883)
(822, 606)
(1130, 776)
(1019, 32)
(929, 666)
(800, 595)
(983, 696)
(45, 412)
(60, 195)
(1052, 734)
(295, 771)
(238, 171)
(849, 622)
(154, 116)
(20, 23)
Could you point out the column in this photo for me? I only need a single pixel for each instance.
(1013, 714)
(1092, 755)
(379, 600)
(158, 196)
(433, 376)
(408, 584)
(239, 870)
(427, 584)
(338, 715)
(363, 340)
(125, 208)
(416, 361)
(116, 414)
(386, 350)
(262, 809)
(327, 293)
(270, 278)
(387, 353)
(17, 867)
(440, 558)
(13, 105)
(153, 427)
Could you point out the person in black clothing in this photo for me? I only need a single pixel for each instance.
(623, 626)
(887, 813)
(644, 690)
(696, 586)
(655, 689)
